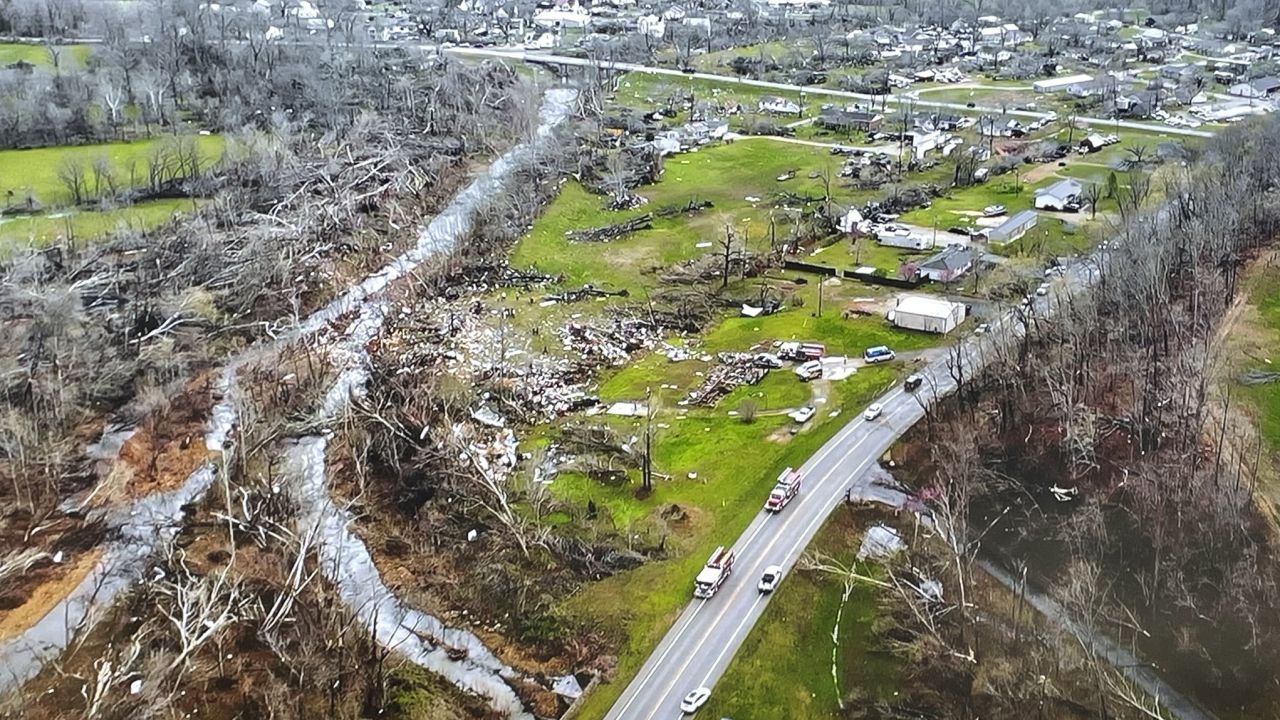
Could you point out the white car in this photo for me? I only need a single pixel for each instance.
(873, 411)
(802, 415)
(1043, 289)
(982, 329)
(772, 576)
(695, 700)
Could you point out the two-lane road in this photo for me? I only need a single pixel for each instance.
(704, 639)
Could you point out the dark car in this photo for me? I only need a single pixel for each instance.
(913, 382)
(688, 70)
(970, 104)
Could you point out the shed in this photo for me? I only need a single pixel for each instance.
(1013, 228)
(906, 240)
(1059, 84)
(928, 314)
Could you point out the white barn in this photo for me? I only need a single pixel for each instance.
(928, 314)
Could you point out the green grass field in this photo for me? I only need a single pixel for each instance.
(645, 91)
(1259, 353)
(41, 56)
(725, 175)
(82, 226)
(784, 669)
(35, 171)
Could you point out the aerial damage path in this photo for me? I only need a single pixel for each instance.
(144, 527)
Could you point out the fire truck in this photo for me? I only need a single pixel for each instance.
(718, 569)
(786, 488)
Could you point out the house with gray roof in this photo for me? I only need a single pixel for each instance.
(1013, 228)
(948, 265)
(1059, 195)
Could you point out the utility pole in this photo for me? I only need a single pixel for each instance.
(646, 466)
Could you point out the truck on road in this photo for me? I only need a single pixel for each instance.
(718, 569)
(786, 488)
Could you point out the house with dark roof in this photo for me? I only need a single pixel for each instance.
(1257, 88)
(845, 119)
(949, 265)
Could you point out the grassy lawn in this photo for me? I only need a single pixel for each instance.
(39, 55)
(718, 61)
(1258, 345)
(783, 669)
(647, 92)
(725, 175)
(78, 225)
(35, 171)
(847, 255)
(842, 337)
(964, 205)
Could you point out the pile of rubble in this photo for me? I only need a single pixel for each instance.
(733, 371)
(612, 344)
(582, 293)
(635, 224)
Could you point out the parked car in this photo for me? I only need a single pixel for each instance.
(772, 576)
(873, 411)
(1043, 289)
(982, 329)
(767, 360)
(811, 370)
(994, 210)
(695, 700)
(877, 354)
(687, 70)
(802, 415)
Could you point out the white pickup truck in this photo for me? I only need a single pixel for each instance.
(787, 487)
(718, 569)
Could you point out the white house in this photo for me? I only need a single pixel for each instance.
(779, 106)
(928, 314)
(905, 239)
(1058, 195)
(1013, 228)
(1059, 84)
(651, 25)
(561, 19)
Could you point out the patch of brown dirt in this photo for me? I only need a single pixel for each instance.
(165, 450)
(1040, 172)
(61, 580)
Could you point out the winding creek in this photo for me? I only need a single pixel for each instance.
(142, 529)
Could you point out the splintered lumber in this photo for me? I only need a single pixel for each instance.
(635, 224)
